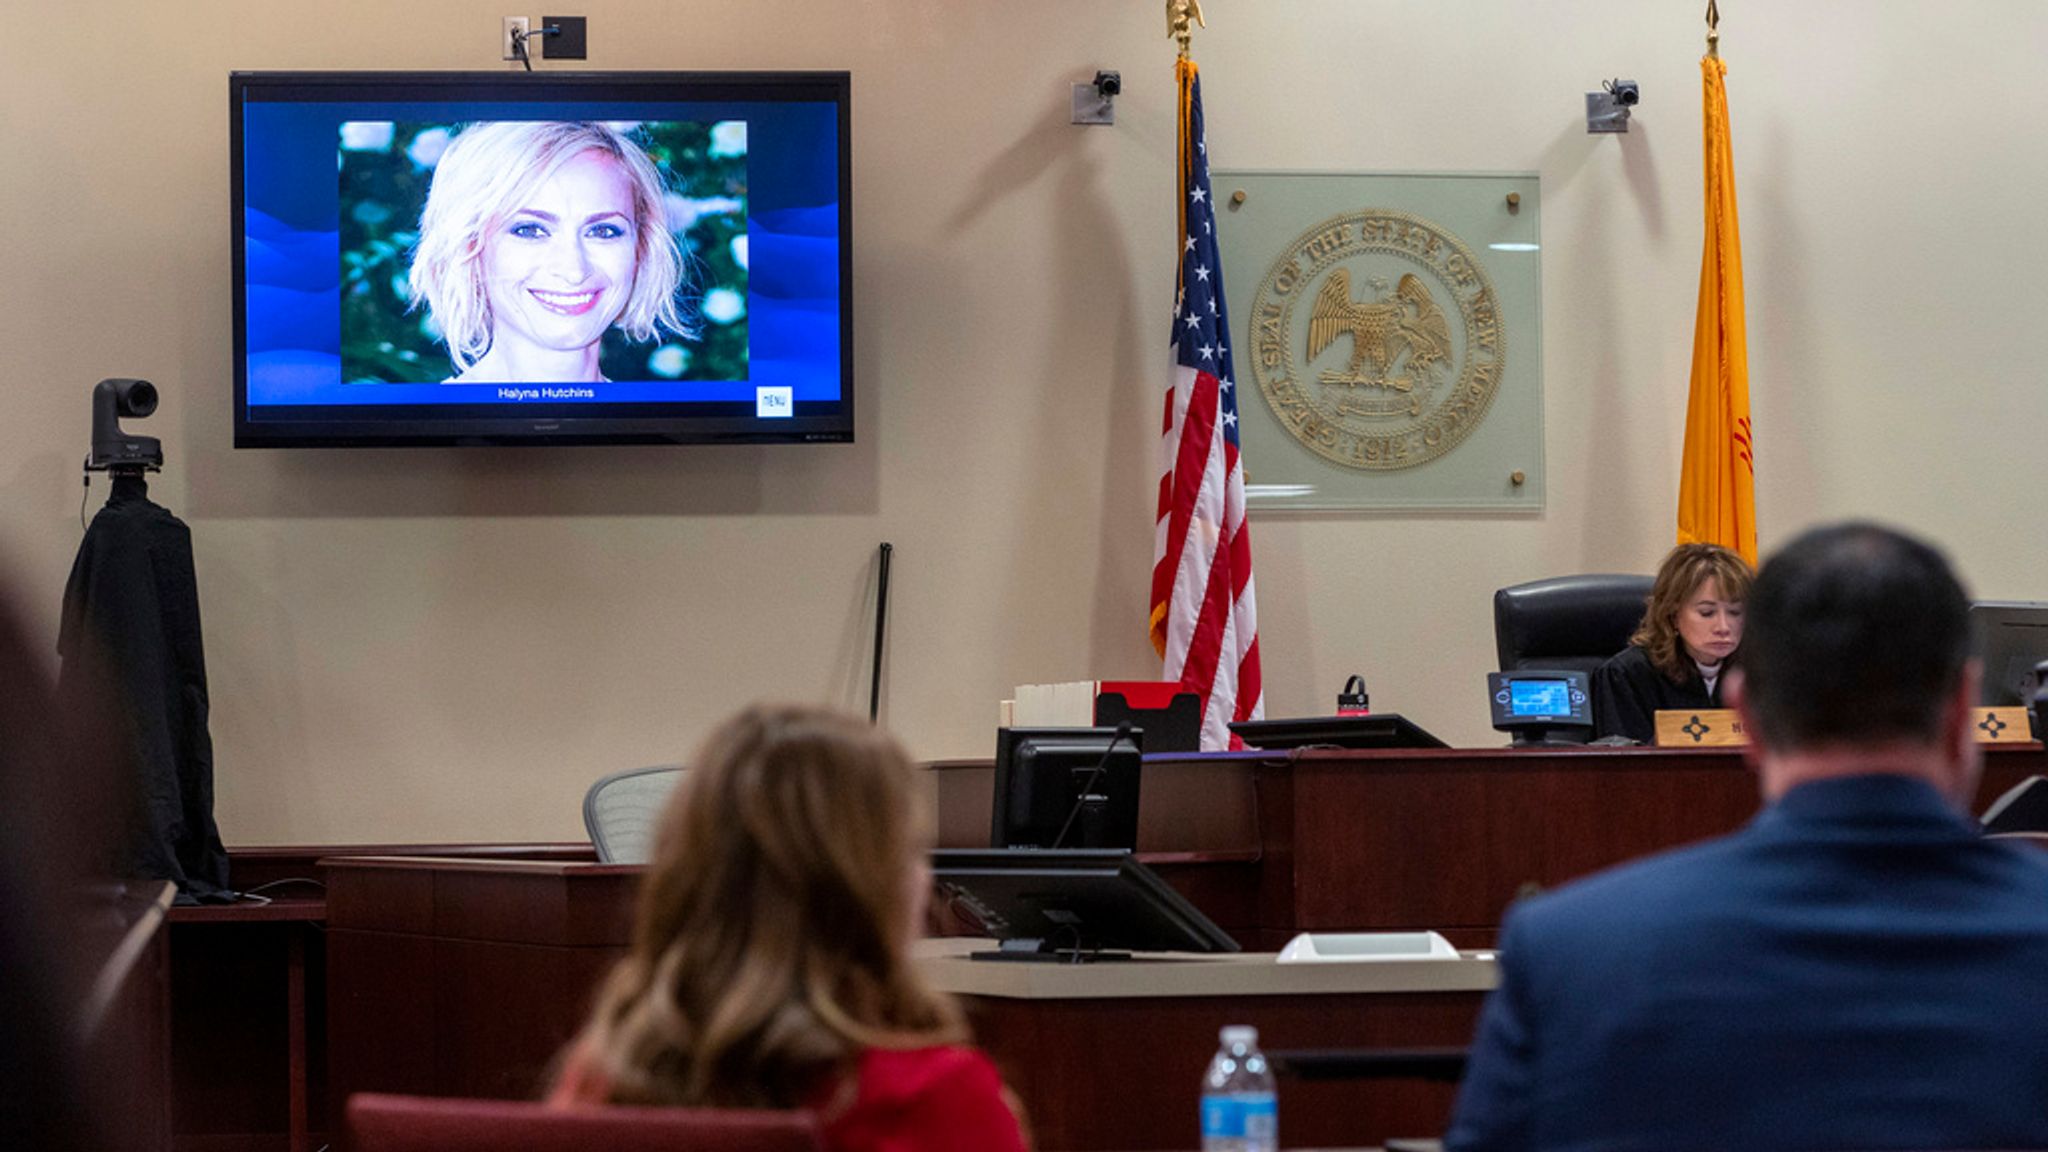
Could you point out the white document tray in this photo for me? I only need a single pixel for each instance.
(1352, 947)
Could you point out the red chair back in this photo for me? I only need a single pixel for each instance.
(380, 1123)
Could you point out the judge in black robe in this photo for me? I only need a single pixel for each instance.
(1679, 657)
(1628, 692)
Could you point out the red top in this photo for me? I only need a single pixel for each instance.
(925, 1100)
(941, 1099)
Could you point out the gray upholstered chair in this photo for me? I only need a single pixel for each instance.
(620, 811)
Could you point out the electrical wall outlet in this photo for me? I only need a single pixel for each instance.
(507, 44)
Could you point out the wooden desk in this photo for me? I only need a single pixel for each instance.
(465, 976)
(248, 990)
(1273, 844)
(1111, 1056)
(239, 979)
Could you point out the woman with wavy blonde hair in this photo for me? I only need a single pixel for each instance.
(1690, 632)
(537, 238)
(770, 962)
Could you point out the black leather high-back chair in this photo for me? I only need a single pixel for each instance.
(1567, 622)
(1574, 622)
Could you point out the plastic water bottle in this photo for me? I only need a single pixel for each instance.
(1239, 1110)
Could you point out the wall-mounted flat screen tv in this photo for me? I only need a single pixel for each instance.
(544, 258)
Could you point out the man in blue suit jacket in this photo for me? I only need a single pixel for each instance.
(1858, 968)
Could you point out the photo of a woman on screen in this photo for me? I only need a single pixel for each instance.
(537, 238)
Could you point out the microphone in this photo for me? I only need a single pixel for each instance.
(1123, 733)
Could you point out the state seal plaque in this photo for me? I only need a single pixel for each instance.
(1391, 325)
(1377, 339)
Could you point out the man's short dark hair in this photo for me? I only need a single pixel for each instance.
(1855, 633)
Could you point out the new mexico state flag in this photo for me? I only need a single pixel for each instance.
(1717, 482)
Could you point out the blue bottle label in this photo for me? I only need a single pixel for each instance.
(1240, 1115)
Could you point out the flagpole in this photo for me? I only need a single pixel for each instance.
(1182, 16)
(1717, 474)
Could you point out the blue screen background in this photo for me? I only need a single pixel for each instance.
(1540, 698)
(292, 223)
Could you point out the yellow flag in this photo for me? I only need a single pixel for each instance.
(1717, 482)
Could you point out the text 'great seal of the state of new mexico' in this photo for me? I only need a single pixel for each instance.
(1383, 378)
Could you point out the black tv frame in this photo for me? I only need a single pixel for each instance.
(551, 428)
(1039, 779)
(1073, 905)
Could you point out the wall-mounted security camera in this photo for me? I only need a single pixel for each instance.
(1607, 110)
(111, 447)
(1095, 102)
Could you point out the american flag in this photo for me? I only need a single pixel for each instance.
(1204, 620)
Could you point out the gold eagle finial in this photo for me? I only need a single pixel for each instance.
(1180, 15)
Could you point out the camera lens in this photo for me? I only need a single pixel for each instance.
(138, 399)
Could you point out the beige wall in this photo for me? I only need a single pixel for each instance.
(451, 644)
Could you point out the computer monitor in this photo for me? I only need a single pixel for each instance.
(1069, 904)
(2011, 637)
(1066, 788)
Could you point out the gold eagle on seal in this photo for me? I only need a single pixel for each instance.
(1380, 330)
